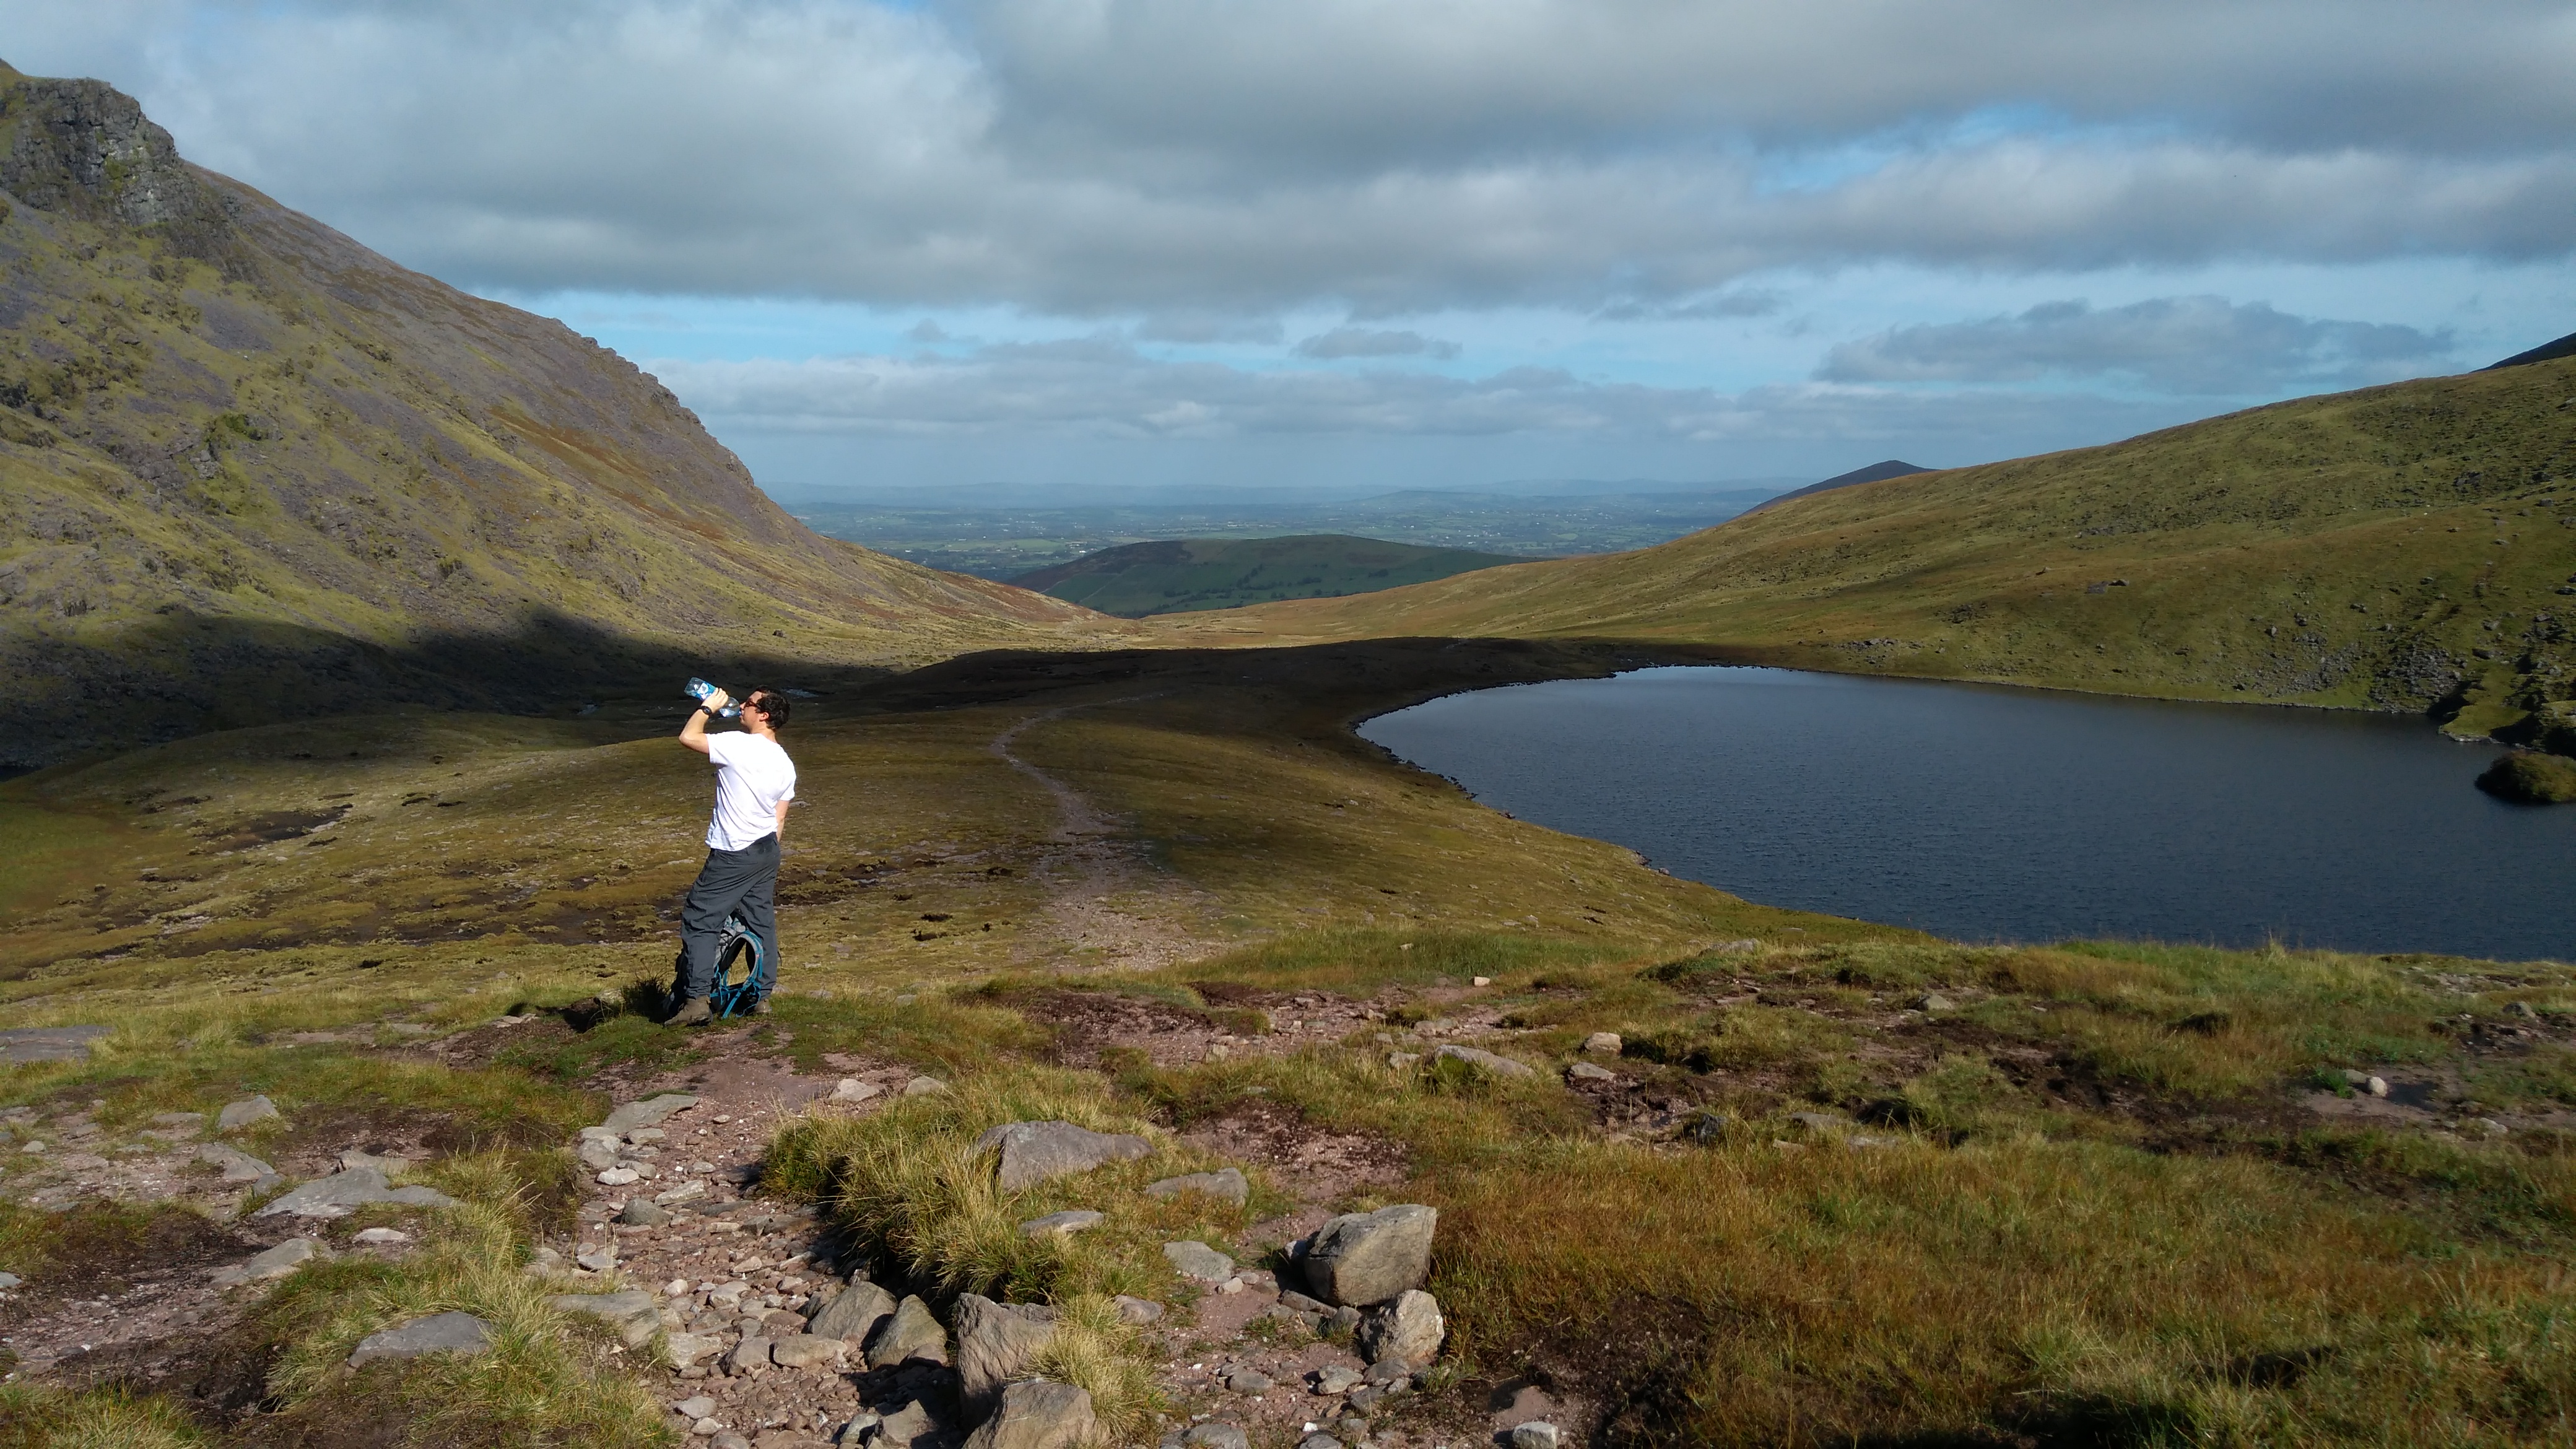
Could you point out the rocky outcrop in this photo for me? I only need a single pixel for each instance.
(85, 149)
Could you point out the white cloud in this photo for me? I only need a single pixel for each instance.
(2198, 345)
(1208, 166)
(1366, 342)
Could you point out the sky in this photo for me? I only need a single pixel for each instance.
(1357, 244)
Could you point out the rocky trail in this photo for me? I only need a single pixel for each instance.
(1087, 866)
(753, 1319)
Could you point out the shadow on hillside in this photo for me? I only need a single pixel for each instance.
(186, 674)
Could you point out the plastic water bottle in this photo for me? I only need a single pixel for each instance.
(699, 689)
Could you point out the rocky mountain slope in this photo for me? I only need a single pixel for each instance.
(2407, 547)
(249, 468)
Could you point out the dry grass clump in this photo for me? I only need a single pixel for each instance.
(2069, 1290)
(33, 1416)
(546, 1380)
(906, 1180)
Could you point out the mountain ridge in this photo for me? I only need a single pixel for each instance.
(241, 454)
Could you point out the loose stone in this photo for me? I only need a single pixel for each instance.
(1485, 1061)
(1362, 1258)
(1602, 1044)
(1197, 1260)
(237, 1115)
(439, 1333)
(1063, 1224)
(1225, 1185)
(1587, 1072)
(1035, 1152)
(1536, 1434)
(1036, 1414)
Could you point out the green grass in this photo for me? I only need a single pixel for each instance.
(2400, 547)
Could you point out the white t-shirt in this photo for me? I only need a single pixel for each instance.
(752, 775)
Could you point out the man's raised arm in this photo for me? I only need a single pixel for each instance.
(694, 733)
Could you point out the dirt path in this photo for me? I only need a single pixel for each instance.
(1090, 862)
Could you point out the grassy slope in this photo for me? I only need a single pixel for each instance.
(266, 458)
(2401, 547)
(2095, 1216)
(1141, 579)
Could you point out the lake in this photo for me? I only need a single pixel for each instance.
(1993, 814)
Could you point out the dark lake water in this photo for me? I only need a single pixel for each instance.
(1986, 814)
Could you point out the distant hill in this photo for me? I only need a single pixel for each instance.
(1180, 575)
(1874, 473)
(248, 467)
(2408, 547)
(2545, 352)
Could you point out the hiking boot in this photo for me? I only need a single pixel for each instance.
(692, 1012)
(760, 1007)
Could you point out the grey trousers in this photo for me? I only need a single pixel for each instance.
(733, 882)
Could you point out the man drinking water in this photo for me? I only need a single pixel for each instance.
(754, 783)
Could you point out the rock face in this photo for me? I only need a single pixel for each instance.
(1035, 1414)
(438, 1333)
(1225, 1185)
(1198, 1260)
(237, 1115)
(853, 1313)
(1407, 1328)
(346, 1191)
(634, 1313)
(651, 1112)
(995, 1341)
(1035, 1152)
(910, 1332)
(1364, 1258)
(1485, 1061)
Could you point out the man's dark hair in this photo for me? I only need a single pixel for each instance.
(772, 706)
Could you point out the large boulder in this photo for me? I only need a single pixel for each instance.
(1036, 1414)
(1407, 1328)
(910, 1332)
(438, 1333)
(853, 1313)
(995, 1341)
(1035, 1152)
(1364, 1258)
